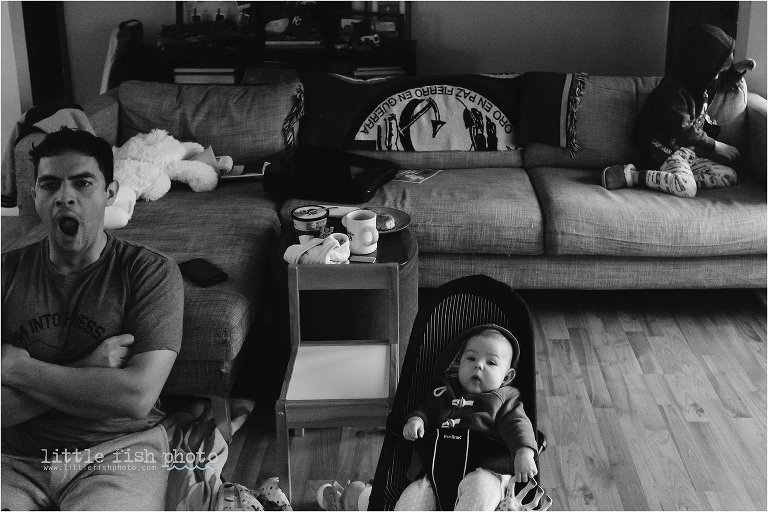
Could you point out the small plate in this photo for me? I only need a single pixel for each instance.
(402, 219)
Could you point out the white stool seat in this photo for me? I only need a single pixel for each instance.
(327, 372)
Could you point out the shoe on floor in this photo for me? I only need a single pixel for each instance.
(617, 176)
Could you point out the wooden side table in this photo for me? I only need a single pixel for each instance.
(349, 327)
(321, 315)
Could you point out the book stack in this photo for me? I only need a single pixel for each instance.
(204, 76)
(377, 71)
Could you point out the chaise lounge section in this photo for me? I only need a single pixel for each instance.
(234, 226)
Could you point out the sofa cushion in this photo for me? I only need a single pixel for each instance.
(450, 159)
(583, 218)
(244, 122)
(233, 227)
(479, 211)
(185, 225)
(604, 125)
(431, 113)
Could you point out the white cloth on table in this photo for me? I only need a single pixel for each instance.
(318, 251)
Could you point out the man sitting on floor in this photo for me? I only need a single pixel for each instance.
(91, 326)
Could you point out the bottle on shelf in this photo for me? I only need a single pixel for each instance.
(196, 18)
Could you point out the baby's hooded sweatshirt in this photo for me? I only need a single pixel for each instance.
(674, 114)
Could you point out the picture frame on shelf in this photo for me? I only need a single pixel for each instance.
(392, 9)
(388, 27)
(352, 26)
(389, 8)
(206, 11)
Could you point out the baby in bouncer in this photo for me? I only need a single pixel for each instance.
(479, 402)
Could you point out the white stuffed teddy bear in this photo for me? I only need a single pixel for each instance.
(145, 166)
(148, 162)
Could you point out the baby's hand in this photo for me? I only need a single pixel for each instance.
(414, 429)
(525, 466)
(726, 151)
(744, 65)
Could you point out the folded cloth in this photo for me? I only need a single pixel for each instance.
(69, 117)
(333, 249)
(548, 115)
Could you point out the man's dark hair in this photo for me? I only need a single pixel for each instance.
(68, 140)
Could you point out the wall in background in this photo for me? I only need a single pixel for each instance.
(750, 42)
(89, 26)
(11, 103)
(16, 92)
(612, 38)
(600, 38)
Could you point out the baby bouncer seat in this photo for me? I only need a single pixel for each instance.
(451, 309)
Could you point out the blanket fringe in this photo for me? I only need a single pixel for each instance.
(578, 84)
(293, 117)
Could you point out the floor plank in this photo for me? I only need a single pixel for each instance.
(649, 399)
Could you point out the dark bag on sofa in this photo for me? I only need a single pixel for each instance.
(313, 172)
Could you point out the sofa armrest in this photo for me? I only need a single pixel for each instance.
(103, 112)
(756, 132)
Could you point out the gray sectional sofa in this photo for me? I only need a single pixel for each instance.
(534, 217)
(235, 226)
(537, 217)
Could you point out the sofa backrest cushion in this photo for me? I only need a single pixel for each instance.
(729, 110)
(450, 159)
(244, 122)
(604, 124)
(606, 118)
(548, 114)
(432, 113)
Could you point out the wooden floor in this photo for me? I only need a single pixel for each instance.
(650, 400)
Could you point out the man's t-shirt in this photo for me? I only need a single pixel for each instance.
(130, 289)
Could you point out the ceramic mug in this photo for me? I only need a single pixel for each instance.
(361, 228)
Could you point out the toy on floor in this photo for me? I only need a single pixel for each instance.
(148, 162)
(266, 496)
(529, 496)
(354, 496)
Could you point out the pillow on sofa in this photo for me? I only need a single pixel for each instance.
(244, 122)
(548, 114)
(439, 113)
(729, 109)
(606, 118)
